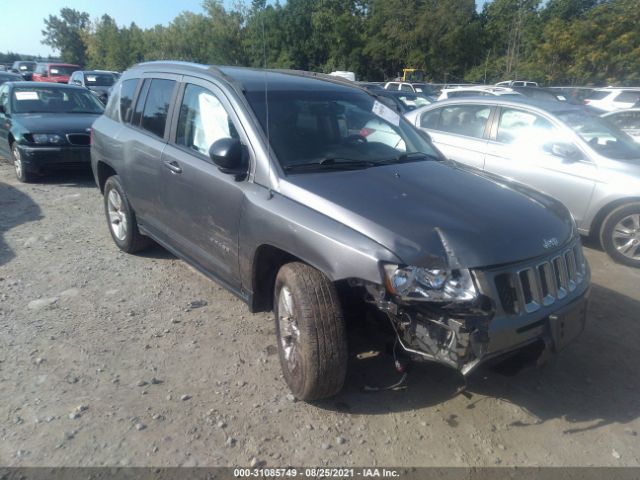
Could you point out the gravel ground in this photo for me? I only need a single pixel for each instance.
(114, 359)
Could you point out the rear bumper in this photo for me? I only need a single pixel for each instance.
(36, 159)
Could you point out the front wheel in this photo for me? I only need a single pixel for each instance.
(311, 332)
(22, 173)
(620, 235)
(121, 218)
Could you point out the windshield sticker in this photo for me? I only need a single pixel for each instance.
(26, 95)
(91, 78)
(54, 71)
(385, 113)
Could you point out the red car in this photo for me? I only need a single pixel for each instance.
(54, 72)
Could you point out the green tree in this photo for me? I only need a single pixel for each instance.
(65, 34)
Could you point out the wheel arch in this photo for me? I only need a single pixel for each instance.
(598, 220)
(267, 261)
(104, 171)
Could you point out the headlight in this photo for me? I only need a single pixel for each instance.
(46, 138)
(430, 285)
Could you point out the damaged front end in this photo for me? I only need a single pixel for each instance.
(431, 323)
(438, 313)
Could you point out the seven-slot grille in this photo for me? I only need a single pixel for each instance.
(527, 289)
(81, 139)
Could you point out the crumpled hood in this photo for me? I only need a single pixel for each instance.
(433, 213)
(56, 122)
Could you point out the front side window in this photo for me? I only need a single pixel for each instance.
(325, 129)
(202, 120)
(467, 120)
(156, 107)
(602, 135)
(406, 88)
(520, 127)
(598, 95)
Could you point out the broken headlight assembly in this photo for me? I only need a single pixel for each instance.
(419, 284)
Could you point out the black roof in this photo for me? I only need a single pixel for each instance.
(254, 79)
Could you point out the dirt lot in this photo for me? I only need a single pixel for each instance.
(113, 359)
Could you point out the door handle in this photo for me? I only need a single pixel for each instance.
(173, 166)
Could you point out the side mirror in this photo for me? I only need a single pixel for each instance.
(565, 151)
(228, 155)
(45, 74)
(77, 82)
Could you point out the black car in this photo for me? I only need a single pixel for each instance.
(98, 82)
(24, 68)
(45, 125)
(9, 77)
(540, 93)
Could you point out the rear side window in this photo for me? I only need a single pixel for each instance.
(127, 91)
(598, 95)
(430, 119)
(405, 88)
(467, 120)
(628, 97)
(202, 121)
(156, 106)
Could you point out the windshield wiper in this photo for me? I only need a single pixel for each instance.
(414, 156)
(332, 163)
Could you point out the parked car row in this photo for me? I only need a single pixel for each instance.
(97, 81)
(457, 222)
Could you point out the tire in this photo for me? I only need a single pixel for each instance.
(121, 218)
(620, 234)
(310, 331)
(21, 173)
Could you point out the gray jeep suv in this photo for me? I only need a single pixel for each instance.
(297, 190)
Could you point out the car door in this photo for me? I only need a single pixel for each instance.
(202, 205)
(521, 148)
(459, 131)
(143, 143)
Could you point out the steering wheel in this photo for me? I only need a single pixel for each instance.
(355, 139)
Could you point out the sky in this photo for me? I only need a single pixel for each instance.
(22, 21)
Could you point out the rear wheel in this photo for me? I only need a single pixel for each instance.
(620, 234)
(121, 218)
(21, 173)
(310, 331)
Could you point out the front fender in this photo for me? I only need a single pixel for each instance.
(333, 248)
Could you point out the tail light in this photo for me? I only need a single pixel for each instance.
(365, 132)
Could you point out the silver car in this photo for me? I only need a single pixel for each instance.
(563, 150)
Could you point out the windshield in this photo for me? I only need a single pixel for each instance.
(54, 100)
(336, 129)
(26, 67)
(99, 79)
(603, 136)
(63, 69)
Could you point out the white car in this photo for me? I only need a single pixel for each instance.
(410, 87)
(612, 98)
(517, 83)
(626, 120)
(480, 91)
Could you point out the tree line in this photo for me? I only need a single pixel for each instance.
(573, 42)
